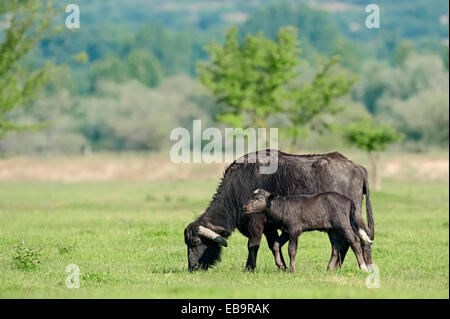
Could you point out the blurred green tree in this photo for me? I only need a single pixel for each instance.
(402, 51)
(372, 138)
(26, 23)
(316, 98)
(109, 68)
(250, 79)
(260, 78)
(144, 67)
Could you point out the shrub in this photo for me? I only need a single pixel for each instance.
(26, 258)
(62, 249)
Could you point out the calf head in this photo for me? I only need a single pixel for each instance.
(260, 200)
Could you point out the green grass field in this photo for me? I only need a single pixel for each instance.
(127, 240)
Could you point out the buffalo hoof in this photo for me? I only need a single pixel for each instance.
(363, 267)
(249, 269)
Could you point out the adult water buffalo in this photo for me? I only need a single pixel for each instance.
(296, 174)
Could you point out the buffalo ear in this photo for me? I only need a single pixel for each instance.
(272, 196)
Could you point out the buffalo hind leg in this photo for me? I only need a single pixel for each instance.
(273, 242)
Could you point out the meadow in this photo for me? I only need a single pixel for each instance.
(126, 237)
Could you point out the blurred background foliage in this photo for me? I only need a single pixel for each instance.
(129, 75)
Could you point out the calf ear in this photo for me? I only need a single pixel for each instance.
(272, 196)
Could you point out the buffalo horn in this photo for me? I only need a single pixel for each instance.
(208, 233)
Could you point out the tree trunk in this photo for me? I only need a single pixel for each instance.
(293, 147)
(262, 139)
(260, 122)
(375, 178)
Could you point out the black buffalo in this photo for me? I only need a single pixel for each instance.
(296, 174)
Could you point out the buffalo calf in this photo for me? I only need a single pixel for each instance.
(329, 212)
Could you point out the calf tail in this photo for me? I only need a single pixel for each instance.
(357, 225)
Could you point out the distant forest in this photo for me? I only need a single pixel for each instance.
(129, 74)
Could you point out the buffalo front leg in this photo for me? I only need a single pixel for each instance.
(256, 228)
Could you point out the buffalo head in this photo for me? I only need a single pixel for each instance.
(203, 246)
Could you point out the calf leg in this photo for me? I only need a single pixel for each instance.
(366, 248)
(367, 253)
(343, 248)
(292, 249)
(334, 259)
(355, 243)
(279, 242)
(339, 249)
(335, 240)
(274, 245)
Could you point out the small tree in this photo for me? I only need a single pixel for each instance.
(316, 98)
(27, 22)
(250, 78)
(372, 138)
(258, 78)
